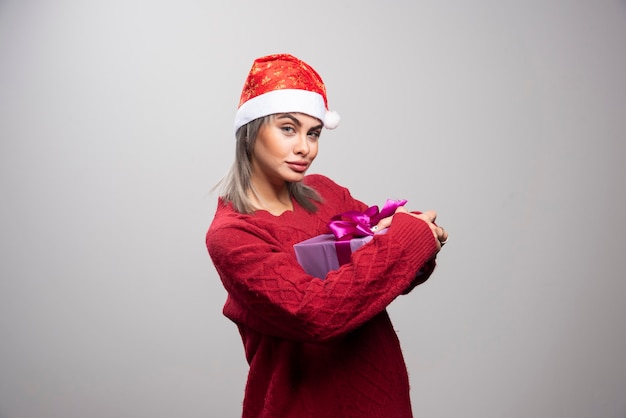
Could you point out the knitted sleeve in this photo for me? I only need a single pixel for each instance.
(270, 293)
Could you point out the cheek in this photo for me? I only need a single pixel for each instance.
(265, 149)
(313, 150)
(276, 148)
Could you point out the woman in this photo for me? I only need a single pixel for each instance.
(317, 347)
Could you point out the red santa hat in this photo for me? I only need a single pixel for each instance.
(282, 83)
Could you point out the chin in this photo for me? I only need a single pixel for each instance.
(295, 178)
(290, 175)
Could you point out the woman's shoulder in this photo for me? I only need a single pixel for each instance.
(227, 220)
(332, 193)
(230, 227)
(227, 217)
(319, 181)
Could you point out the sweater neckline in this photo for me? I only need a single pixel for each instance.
(285, 214)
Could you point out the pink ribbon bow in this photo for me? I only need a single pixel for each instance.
(352, 224)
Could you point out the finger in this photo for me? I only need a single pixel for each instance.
(382, 224)
(428, 216)
(442, 235)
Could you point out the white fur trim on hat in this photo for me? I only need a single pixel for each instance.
(286, 100)
(331, 119)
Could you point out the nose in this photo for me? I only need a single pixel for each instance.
(302, 146)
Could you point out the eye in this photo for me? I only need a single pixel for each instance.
(315, 134)
(288, 129)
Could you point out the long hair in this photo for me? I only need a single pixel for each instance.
(237, 182)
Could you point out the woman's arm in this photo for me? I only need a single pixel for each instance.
(271, 293)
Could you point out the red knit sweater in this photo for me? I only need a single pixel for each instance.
(318, 348)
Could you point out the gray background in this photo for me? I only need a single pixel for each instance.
(506, 117)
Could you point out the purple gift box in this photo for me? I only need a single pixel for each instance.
(350, 231)
(324, 253)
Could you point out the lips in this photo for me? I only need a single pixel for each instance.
(299, 166)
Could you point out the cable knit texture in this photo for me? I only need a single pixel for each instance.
(318, 348)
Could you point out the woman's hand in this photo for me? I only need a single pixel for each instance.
(440, 234)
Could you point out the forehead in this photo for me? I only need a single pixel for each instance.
(301, 118)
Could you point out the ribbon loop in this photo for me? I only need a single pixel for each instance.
(352, 224)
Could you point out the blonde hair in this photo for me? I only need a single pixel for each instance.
(237, 182)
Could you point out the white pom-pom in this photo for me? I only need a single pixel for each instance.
(331, 119)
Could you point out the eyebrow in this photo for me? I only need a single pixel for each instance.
(295, 120)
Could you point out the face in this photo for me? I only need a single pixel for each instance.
(284, 149)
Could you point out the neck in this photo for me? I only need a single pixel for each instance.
(275, 200)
